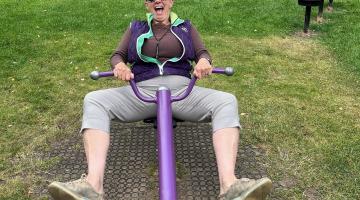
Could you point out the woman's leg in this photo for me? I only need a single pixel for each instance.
(225, 143)
(96, 144)
(203, 104)
(221, 108)
(100, 107)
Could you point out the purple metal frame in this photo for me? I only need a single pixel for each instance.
(165, 135)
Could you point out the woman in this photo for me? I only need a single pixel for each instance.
(160, 50)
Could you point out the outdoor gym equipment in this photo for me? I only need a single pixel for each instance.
(165, 136)
(308, 4)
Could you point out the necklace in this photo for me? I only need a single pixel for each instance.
(158, 41)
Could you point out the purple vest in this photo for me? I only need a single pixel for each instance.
(147, 70)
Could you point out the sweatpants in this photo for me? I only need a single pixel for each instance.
(202, 105)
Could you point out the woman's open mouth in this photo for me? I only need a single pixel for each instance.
(159, 10)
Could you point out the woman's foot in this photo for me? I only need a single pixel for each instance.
(74, 190)
(248, 189)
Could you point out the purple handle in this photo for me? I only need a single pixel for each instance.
(229, 71)
(139, 95)
(95, 75)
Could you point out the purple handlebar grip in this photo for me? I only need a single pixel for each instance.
(95, 75)
(229, 71)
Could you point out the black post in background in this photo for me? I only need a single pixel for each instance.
(321, 10)
(307, 19)
(330, 6)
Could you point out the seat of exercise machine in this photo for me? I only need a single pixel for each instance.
(310, 2)
(153, 120)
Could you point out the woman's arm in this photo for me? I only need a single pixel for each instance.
(203, 61)
(121, 53)
(119, 59)
(199, 47)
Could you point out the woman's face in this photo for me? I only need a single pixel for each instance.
(160, 9)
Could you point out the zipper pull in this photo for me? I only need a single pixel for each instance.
(161, 70)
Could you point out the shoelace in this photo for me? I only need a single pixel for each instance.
(81, 180)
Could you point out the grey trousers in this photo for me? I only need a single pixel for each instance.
(202, 105)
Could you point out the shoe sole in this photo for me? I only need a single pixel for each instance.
(258, 192)
(60, 193)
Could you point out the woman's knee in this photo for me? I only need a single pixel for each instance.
(226, 113)
(227, 99)
(226, 105)
(95, 104)
(92, 96)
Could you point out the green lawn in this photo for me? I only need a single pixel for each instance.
(299, 96)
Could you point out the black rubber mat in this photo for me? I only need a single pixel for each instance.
(131, 171)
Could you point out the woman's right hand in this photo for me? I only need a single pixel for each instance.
(123, 72)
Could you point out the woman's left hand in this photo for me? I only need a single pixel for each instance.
(202, 68)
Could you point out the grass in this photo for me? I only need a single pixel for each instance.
(299, 96)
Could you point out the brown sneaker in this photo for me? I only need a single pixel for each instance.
(74, 190)
(248, 189)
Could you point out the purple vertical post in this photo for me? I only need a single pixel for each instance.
(166, 150)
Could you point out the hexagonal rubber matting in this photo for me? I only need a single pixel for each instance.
(131, 171)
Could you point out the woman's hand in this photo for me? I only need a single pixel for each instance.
(202, 68)
(123, 72)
